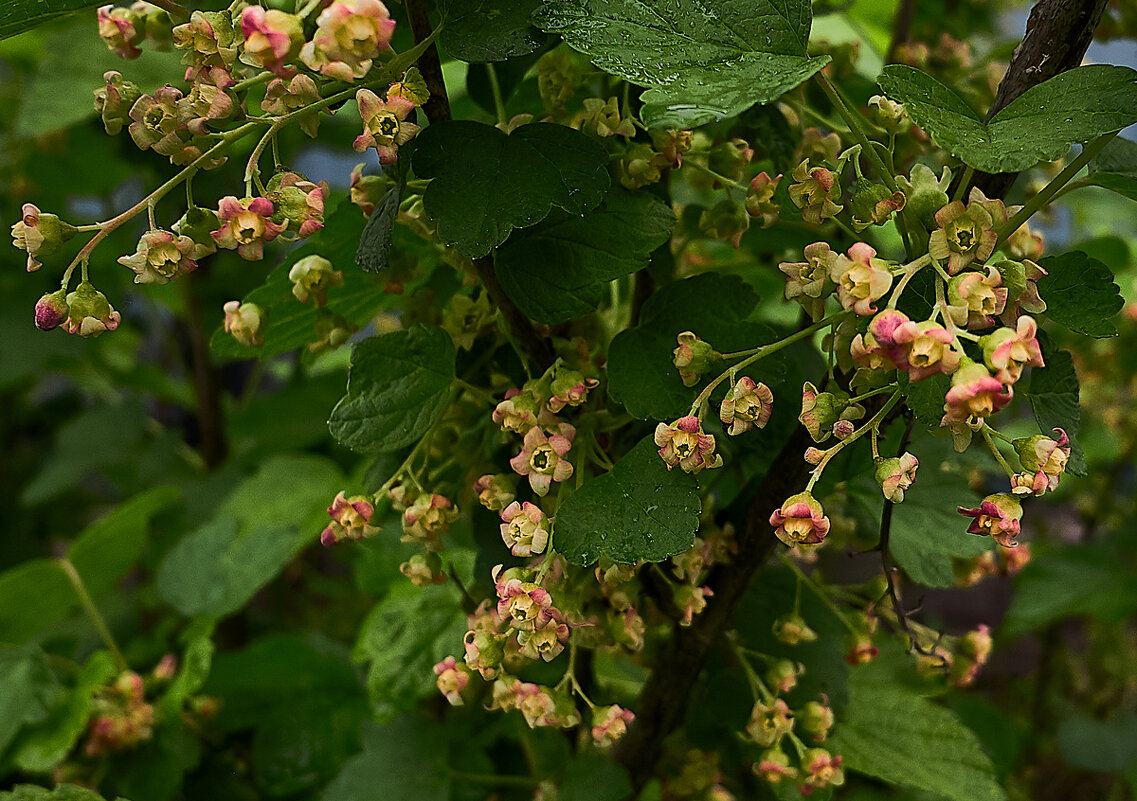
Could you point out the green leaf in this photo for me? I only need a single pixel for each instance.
(486, 183)
(703, 61)
(1081, 581)
(62, 792)
(27, 690)
(374, 251)
(925, 398)
(1053, 396)
(33, 595)
(1080, 293)
(404, 636)
(1124, 185)
(397, 388)
(1118, 156)
(638, 512)
(560, 268)
(41, 748)
(300, 744)
(292, 324)
(1040, 125)
(891, 733)
(1101, 746)
(402, 759)
(18, 16)
(594, 777)
(478, 31)
(197, 659)
(641, 374)
(271, 517)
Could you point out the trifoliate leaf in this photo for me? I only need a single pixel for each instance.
(638, 512)
(487, 183)
(889, 732)
(1080, 293)
(1040, 125)
(397, 387)
(560, 268)
(702, 61)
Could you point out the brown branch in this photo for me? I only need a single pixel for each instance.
(662, 704)
(901, 29)
(206, 381)
(437, 108)
(1058, 33)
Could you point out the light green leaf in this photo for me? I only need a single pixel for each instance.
(42, 747)
(216, 569)
(404, 636)
(891, 733)
(1124, 185)
(477, 31)
(560, 268)
(486, 183)
(1080, 293)
(1053, 396)
(402, 759)
(1040, 125)
(397, 388)
(702, 59)
(641, 374)
(638, 512)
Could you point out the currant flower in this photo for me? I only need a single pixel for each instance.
(975, 394)
(609, 724)
(1008, 351)
(89, 313)
(748, 404)
(351, 519)
(861, 278)
(246, 225)
(683, 443)
(976, 298)
(895, 475)
(542, 458)
(808, 281)
(272, 39)
(385, 125)
(965, 235)
(161, 257)
(800, 520)
(349, 34)
(998, 517)
(815, 191)
(524, 529)
(312, 276)
(769, 723)
(245, 322)
(39, 234)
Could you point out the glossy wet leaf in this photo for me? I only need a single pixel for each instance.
(18, 16)
(1080, 293)
(560, 268)
(486, 183)
(702, 60)
(478, 31)
(1053, 396)
(638, 512)
(1040, 125)
(397, 387)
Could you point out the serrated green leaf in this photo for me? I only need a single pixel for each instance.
(1040, 125)
(926, 398)
(292, 324)
(1080, 294)
(638, 512)
(27, 690)
(486, 183)
(560, 268)
(18, 16)
(702, 59)
(404, 636)
(478, 31)
(397, 388)
(641, 375)
(374, 251)
(891, 733)
(215, 570)
(42, 747)
(403, 758)
(1053, 397)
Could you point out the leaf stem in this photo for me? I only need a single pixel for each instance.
(817, 590)
(856, 129)
(93, 613)
(873, 422)
(498, 101)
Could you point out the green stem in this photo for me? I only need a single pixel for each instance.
(722, 179)
(498, 101)
(757, 687)
(995, 452)
(909, 273)
(849, 232)
(996, 433)
(822, 595)
(256, 80)
(93, 613)
(856, 128)
(964, 182)
(873, 422)
(871, 393)
(1060, 180)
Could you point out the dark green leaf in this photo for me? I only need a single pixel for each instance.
(641, 374)
(926, 398)
(486, 183)
(1040, 125)
(62, 792)
(1080, 293)
(33, 595)
(375, 243)
(21, 15)
(1118, 156)
(216, 569)
(1101, 746)
(638, 512)
(404, 636)
(594, 777)
(1053, 396)
(560, 268)
(890, 732)
(27, 690)
(41, 748)
(397, 387)
(703, 60)
(403, 759)
(489, 30)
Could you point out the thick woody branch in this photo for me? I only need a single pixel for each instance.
(437, 108)
(1058, 33)
(662, 704)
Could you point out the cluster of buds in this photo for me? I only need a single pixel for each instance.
(123, 29)
(120, 716)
